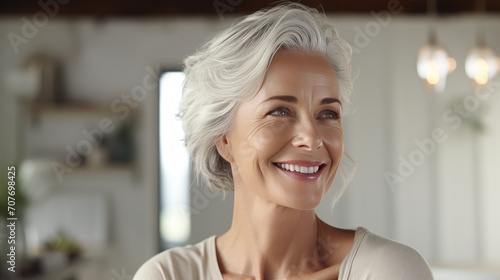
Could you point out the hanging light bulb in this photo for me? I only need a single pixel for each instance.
(433, 65)
(481, 64)
(433, 62)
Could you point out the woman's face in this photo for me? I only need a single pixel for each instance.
(286, 142)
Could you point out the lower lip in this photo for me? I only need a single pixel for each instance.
(303, 176)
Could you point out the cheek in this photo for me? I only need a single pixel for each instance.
(334, 142)
(253, 147)
(262, 140)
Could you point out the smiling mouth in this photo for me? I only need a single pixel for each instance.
(298, 168)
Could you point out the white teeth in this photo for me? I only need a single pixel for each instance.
(298, 168)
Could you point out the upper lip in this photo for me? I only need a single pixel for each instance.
(306, 163)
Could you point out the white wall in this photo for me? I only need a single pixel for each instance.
(104, 59)
(441, 209)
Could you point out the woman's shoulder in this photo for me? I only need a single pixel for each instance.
(377, 257)
(189, 262)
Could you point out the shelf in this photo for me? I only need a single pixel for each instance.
(56, 131)
(108, 167)
(68, 108)
(67, 272)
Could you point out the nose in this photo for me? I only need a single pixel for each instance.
(307, 136)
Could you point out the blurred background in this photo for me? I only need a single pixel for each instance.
(89, 91)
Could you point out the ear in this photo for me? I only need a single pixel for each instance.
(224, 149)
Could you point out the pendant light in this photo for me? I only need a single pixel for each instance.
(481, 64)
(433, 62)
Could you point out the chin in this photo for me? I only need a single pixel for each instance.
(302, 201)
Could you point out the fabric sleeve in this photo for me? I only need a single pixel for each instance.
(182, 263)
(381, 258)
(151, 270)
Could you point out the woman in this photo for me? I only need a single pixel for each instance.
(262, 110)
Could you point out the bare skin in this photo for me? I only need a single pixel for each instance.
(294, 119)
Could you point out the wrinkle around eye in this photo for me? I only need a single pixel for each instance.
(336, 121)
(333, 124)
(272, 126)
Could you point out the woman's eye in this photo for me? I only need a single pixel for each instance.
(280, 112)
(330, 115)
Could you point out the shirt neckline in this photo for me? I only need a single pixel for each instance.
(359, 234)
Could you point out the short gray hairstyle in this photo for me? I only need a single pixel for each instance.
(230, 68)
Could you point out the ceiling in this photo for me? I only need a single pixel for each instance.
(147, 8)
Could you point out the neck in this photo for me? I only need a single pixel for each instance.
(277, 241)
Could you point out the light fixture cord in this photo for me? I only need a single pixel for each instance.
(432, 14)
(480, 10)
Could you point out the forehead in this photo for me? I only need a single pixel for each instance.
(293, 70)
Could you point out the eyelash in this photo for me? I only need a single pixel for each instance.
(335, 115)
(280, 109)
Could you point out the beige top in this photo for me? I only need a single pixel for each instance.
(372, 257)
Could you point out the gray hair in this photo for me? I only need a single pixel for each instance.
(230, 68)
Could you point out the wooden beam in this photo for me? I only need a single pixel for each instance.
(155, 8)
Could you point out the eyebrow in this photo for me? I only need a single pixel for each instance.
(330, 100)
(293, 99)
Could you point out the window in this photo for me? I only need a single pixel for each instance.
(174, 217)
